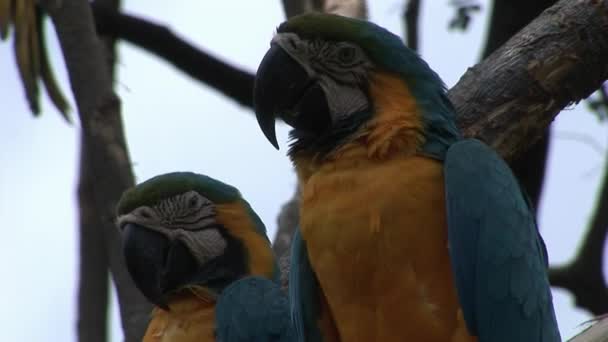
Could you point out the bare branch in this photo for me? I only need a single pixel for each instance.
(410, 18)
(509, 99)
(106, 170)
(599, 102)
(235, 83)
(584, 276)
(507, 18)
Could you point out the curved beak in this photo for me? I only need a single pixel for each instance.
(284, 89)
(158, 266)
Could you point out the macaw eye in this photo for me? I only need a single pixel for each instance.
(192, 202)
(347, 54)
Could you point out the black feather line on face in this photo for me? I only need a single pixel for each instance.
(221, 271)
(332, 138)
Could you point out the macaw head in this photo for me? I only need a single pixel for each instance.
(188, 232)
(328, 76)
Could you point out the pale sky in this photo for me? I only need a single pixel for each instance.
(176, 124)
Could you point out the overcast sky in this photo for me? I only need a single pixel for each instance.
(174, 123)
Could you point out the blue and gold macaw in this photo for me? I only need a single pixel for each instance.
(408, 231)
(196, 249)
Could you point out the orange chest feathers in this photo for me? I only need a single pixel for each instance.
(377, 239)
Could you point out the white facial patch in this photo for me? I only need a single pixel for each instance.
(340, 81)
(189, 218)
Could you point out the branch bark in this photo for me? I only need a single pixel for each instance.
(509, 99)
(507, 18)
(105, 173)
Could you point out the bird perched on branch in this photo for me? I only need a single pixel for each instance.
(197, 250)
(33, 63)
(408, 231)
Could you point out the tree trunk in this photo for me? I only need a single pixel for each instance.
(105, 174)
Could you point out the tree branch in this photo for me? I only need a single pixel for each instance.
(105, 165)
(584, 276)
(463, 16)
(509, 99)
(235, 83)
(410, 18)
(599, 103)
(507, 18)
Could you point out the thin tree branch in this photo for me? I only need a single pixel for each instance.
(106, 170)
(410, 18)
(463, 16)
(584, 276)
(599, 102)
(234, 83)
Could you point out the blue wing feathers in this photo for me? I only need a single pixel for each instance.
(303, 293)
(253, 309)
(497, 254)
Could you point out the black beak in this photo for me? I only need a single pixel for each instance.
(284, 89)
(158, 266)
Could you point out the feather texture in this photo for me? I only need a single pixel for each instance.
(497, 254)
(253, 309)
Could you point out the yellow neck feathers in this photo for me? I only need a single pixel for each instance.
(395, 129)
(235, 218)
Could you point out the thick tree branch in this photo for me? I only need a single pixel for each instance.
(235, 83)
(509, 99)
(410, 19)
(507, 18)
(106, 169)
(584, 276)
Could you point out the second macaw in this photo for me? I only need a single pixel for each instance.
(197, 250)
(408, 231)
